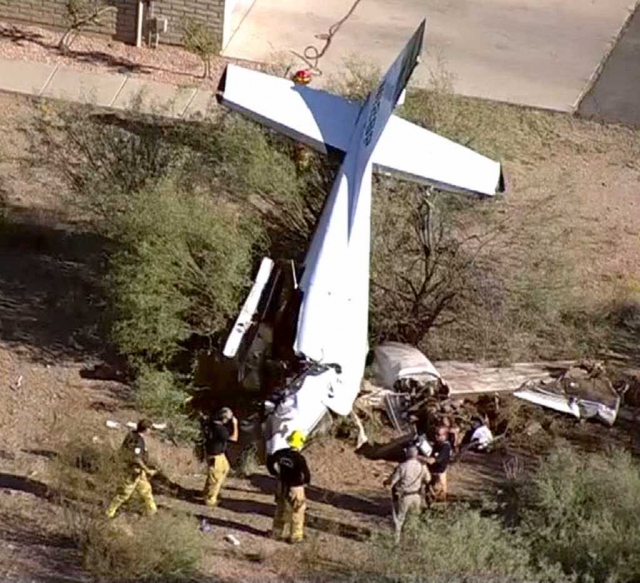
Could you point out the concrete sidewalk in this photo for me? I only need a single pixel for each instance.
(540, 53)
(104, 89)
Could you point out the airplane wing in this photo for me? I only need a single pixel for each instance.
(320, 120)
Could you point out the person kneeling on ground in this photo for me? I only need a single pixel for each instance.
(216, 439)
(406, 484)
(479, 437)
(290, 468)
(137, 471)
(438, 463)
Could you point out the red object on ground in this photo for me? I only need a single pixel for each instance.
(302, 77)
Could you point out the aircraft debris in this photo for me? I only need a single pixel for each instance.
(584, 391)
(131, 425)
(17, 383)
(232, 539)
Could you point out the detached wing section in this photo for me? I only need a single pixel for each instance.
(320, 119)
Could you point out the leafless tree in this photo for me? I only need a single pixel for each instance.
(82, 13)
(424, 262)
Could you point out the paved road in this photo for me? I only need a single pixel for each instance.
(615, 97)
(534, 52)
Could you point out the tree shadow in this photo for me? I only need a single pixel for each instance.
(51, 297)
(163, 485)
(119, 64)
(18, 36)
(27, 485)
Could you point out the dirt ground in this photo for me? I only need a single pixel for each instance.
(50, 341)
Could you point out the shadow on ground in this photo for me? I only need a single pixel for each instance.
(163, 485)
(112, 62)
(51, 300)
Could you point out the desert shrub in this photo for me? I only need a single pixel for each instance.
(585, 515)
(159, 548)
(256, 169)
(103, 158)
(356, 81)
(248, 462)
(182, 266)
(202, 41)
(159, 394)
(460, 545)
(85, 470)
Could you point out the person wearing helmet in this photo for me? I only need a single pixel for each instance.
(137, 471)
(218, 434)
(290, 468)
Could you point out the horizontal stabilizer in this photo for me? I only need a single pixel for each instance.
(320, 119)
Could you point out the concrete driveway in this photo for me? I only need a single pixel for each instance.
(534, 52)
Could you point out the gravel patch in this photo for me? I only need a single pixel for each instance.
(95, 53)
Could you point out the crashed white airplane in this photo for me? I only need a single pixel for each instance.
(332, 321)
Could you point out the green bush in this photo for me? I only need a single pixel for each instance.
(459, 545)
(160, 396)
(101, 159)
(585, 515)
(160, 548)
(181, 270)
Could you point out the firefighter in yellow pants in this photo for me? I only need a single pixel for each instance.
(216, 439)
(292, 472)
(138, 472)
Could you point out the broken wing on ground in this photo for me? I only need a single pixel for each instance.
(324, 121)
(583, 391)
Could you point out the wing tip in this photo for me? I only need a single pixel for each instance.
(222, 85)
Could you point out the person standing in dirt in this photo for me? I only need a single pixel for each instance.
(216, 439)
(438, 463)
(407, 483)
(290, 468)
(137, 471)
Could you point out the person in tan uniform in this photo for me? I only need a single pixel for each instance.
(137, 471)
(290, 468)
(217, 439)
(407, 483)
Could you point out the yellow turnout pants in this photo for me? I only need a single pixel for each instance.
(438, 488)
(134, 482)
(216, 475)
(291, 505)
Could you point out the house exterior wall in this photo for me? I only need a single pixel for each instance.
(121, 22)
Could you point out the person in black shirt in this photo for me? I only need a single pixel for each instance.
(216, 439)
(438, 463)
(137, 471)
(292, 473)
